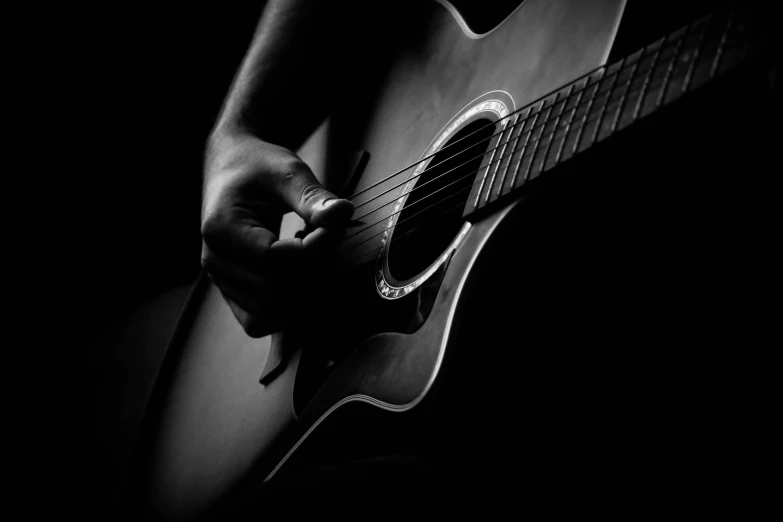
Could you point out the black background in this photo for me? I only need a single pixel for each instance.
(119, 102)
(129, 96)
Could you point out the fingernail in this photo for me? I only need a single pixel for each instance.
(328, 203)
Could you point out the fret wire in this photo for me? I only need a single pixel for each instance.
(647, 80)
(484, 179)
(497, 165)
(502, 156)
(513, 151)
(554, 129)
(522, 123)
(570, 120)
(602, 110)
(721, 45)
(575, 109)
(586, 75)
(670, 68)
(694, 60)
(587, 111)
(627, 89)
(524, 145)
(538, 141)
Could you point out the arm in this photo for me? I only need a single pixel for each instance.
(252, 177)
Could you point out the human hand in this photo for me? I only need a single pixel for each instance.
(249, 185)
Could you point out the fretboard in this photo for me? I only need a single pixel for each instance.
(565, 123)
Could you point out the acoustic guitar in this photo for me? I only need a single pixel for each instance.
(529, 275)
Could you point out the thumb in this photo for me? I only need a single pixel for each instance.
(318, 207)
(308, 198)
(296, 185)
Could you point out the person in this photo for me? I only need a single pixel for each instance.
(252, 176)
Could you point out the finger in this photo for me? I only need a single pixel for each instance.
(296, 185)
(235, 234)
(327, 209)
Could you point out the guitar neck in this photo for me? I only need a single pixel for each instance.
(551, 130)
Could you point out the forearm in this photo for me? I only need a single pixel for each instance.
(280, 92)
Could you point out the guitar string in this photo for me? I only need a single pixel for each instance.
(597, 85)
(620, 65)
(522, 122)
(468, 175)
(433, 179)
(406, 219)
(538, 100)
(551, 135)
(529, 131)
(524, 157)
(409, 205)
(456, 142)
(374, 250)
(525, 154)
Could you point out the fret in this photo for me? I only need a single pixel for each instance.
(493, 145)
(686, 61)
(610, 98)
(636, 61)
(590, 103)
(527, 140)
(695, 57)
(555, 127)
(610, 112)
(647, 78)
(735, 46)
(509, 128)
(559, 153)
(526, 177)
(513, 149)
(670, 68)
(645, 63)
(662, 73)
(718, 30)
(601, 105)
(580, 113)
(721, 47)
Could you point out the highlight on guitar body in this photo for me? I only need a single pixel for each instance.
(458, 288)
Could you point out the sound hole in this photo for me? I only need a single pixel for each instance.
(432, 214)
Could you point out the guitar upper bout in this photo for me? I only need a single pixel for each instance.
(477, 20)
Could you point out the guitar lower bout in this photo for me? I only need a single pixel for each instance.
(395, 371)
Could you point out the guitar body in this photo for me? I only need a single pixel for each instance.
(422, 370)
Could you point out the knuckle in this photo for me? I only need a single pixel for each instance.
(291, 167)
(208, 260)
(215, 227)
(210, 229)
